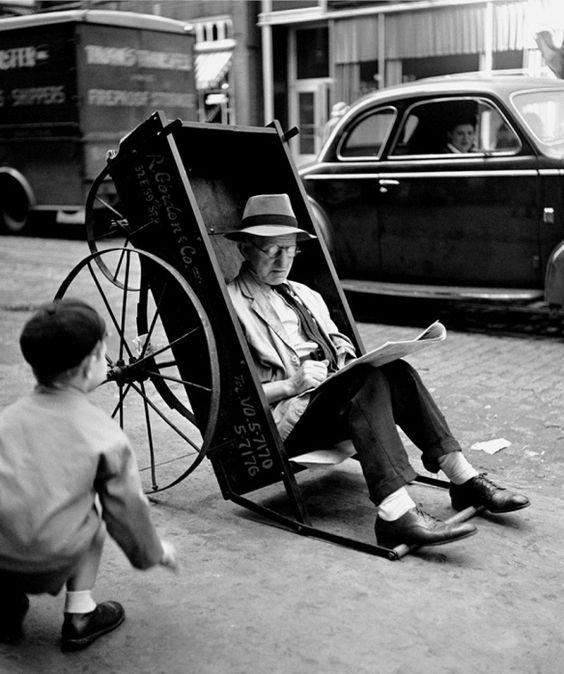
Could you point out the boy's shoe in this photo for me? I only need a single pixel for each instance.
(14, 609)
(479, 491)
(81, 629)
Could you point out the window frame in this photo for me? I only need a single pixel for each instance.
(353, 125)
(480, 100)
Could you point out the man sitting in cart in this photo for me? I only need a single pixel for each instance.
(296, 345)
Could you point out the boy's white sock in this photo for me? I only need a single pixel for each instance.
(457, 468)
(79, 602)
(395, 505)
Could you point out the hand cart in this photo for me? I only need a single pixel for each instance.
(158, 270)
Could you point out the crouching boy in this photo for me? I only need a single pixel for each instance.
(67, 475)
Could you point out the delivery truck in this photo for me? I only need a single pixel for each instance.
(72, 84)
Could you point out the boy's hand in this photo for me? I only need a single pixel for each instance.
(169, 559)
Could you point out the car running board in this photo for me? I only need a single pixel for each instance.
(442, 292)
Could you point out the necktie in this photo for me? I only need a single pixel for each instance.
(309, 325)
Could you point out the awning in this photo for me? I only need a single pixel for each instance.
(210, 68)
(435, 31)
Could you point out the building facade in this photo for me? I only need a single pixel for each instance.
(292, 60)
(227, 57)
(321, 52)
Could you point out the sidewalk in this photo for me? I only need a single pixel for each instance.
(254, 599)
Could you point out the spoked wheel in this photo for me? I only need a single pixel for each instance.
(107, 226)
(163, 371)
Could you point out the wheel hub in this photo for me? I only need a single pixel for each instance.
(128, 373)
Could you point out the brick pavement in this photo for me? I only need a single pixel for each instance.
(493, 386)
(251, 598)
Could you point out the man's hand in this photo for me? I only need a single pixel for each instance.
(310, 374)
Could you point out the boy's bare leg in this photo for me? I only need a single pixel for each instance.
(85, 620)
(85, 574)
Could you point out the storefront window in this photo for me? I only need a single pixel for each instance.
(306, 114)
(369, 77)
(312, 49)
(431, 66)
(508, 60)
(285, 5)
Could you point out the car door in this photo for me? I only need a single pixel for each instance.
(467, 217)
(347, 188)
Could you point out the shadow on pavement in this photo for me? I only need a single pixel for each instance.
(488, 318)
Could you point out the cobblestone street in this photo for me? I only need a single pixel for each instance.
(492, 386)
(252, 598)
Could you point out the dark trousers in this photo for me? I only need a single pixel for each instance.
(366, 406)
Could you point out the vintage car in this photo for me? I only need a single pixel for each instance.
(404, 212)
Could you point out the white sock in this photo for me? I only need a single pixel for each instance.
(457, 468)
(395, 505)
(79, 602)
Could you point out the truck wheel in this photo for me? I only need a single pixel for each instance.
(16, 201)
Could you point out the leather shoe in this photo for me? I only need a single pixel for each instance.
(417, 527)
(14, 609)
(81, 629)
(479, 491)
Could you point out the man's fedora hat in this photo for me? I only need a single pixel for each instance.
(268, 215)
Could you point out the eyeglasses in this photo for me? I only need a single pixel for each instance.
(274, 250)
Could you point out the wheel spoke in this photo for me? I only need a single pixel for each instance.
(119, 404)
(164, 348)
(107, 205)
(167, 462)
(180, 394)
(177, 380)
(197, 461)
(109, 309)
(118, 266)
(167, 363)
(107, 235)
(120, 407)
(123, 228)
(104, 221)
(151, 329)
(166, 419)
(124, 306)
(149, 438)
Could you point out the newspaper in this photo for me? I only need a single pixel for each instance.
(389, 351)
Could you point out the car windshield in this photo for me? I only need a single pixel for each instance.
(543, 113)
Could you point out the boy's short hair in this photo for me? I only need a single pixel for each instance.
(59, 336)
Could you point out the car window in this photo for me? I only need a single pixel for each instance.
(367, 137)
(455, 126)
(543, 114)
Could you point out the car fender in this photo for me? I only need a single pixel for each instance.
(554, 279)
(16, 200)
(324, 227)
